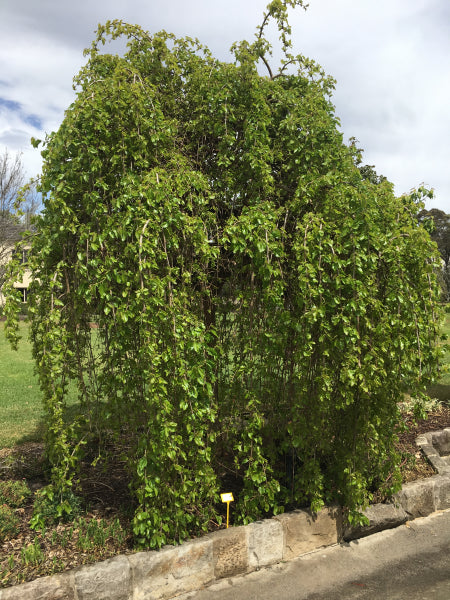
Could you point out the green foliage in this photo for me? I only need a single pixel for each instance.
(51, 507)
(14, 493)
(257, 299)
(32, 553)
(9, 523)
(95, 533)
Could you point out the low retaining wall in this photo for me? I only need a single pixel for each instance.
(174, 570)
(436, 446)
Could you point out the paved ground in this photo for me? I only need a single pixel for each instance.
(411, 562)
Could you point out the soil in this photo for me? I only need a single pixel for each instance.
(420, 467)
(31, 554)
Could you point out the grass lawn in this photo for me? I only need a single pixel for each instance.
(21, 412)
(20, 397)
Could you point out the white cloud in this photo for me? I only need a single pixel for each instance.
(390, 60)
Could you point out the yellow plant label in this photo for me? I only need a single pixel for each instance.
(227, 497)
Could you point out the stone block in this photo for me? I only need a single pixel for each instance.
(441, 464)
(429, 450)
(230, 552)
(57, 587)
(265, 543)
(422, 440)
(442, 492)
(417, 498)
(441, 441)
(381, 517)
(107, 580)
(172, 570)
(304, 532)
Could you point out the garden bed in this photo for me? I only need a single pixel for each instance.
(104, 530)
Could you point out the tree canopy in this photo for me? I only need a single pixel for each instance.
(260, 305)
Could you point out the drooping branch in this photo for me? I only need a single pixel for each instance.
(277, 9)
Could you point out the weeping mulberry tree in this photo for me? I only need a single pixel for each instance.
(260, 306)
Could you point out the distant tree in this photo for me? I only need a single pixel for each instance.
(19, 201)
(440, 232)
(438, 224)
(12, 178)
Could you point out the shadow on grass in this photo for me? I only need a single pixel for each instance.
(441, 392)
(37, 435)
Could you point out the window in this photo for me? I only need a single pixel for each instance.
(21, 255)
(24, 292)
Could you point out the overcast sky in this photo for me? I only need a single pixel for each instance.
(391, 60)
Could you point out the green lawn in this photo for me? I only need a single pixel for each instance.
(21, 412)
(20, 399)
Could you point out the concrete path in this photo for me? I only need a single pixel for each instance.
(411, 562)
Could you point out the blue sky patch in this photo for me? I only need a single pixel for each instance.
(16, 107)
(33, 120)
(10, 105)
